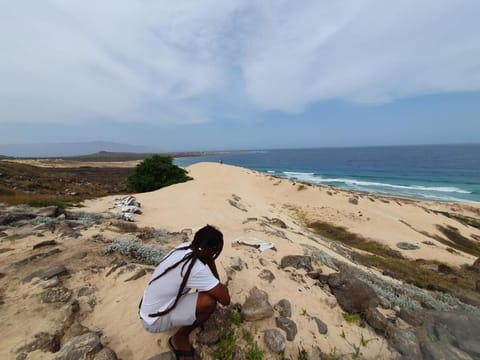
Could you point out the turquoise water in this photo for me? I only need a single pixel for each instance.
(434, 172)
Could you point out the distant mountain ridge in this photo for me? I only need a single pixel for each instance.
(70, 149)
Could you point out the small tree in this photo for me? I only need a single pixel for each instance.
(156, 172)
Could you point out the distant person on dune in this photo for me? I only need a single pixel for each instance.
(167, 301)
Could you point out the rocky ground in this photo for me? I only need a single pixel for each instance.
(58, 267)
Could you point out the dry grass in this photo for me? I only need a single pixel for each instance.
(341, 234)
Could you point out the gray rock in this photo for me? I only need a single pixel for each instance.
(80, 348)
(211, 332)
(267, 275)
(322, 327)
(284, 308)
(41, 341)
(105, 354)
(49, 211)
(74, 330)
(315, 274)
(53, 282)
(405, 342)
(297, 262)
(36, 257)
(375, 319)
(138, 274)
(277, 222)
(56, 294)
(275, 340)
(412, 317)
(457, 328)
(385, 304)
(288, 326)
(47, 273)
(237, 264)
(45, 243)
(445, 269)
(407, 246)
(353, 295)
(256, 306)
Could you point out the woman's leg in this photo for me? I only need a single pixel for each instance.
(205, 307)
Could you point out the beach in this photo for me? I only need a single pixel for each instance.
(252, 207)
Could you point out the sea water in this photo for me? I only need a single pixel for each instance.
(429, 172)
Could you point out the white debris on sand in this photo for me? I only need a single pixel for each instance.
(129, 206)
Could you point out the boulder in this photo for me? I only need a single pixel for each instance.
(288, 326)
(256, 306)
(353, 295)
(405, 342)
(81, 347)
(41, 341)
(275, 340)
(211, 331)
(412, 317)
(452, 332)
(297, 262)
(284, 308)
(375, 319)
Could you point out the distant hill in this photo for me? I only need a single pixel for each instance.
(70, 149)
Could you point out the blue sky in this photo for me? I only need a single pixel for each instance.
(209, 75)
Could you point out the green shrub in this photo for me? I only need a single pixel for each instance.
(156, 172)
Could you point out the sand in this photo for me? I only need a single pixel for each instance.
(208, 199)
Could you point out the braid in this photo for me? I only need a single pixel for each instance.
(193, 256)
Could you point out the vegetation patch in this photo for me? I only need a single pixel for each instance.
(458, 241)
(352, 318)
(417, 275)
(156, 172)
(459, 283)
(465, 220)
(342, 235)
(145, 254)
(236, 338)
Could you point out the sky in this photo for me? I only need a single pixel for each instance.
(238, 74)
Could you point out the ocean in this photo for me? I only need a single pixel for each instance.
(429, 172)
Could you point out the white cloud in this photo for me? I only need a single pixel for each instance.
(163, 61)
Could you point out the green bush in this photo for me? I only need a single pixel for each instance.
(156, 172)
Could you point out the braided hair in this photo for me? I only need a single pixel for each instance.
(207, 237)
